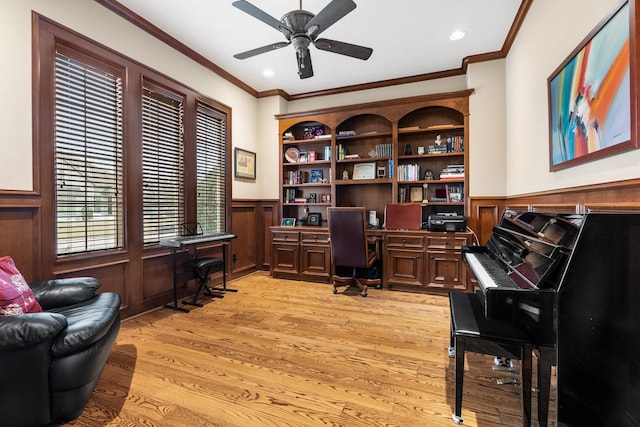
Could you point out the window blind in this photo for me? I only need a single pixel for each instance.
(211, 142)
(88, 157)
(162, 164)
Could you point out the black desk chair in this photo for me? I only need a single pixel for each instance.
(352, 253)
(472, 331)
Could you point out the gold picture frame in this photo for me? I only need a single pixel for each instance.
(245, 164)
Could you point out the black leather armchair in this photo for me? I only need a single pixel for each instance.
(50, 362)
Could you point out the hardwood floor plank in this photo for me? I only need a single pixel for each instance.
(289, 353)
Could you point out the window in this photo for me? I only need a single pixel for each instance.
(88, 157)
(125, 155)
(211, 168)
(162, 164)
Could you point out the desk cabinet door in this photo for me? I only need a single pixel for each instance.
(404, 269)
(285, 262)
(316, 263)
(446, 272)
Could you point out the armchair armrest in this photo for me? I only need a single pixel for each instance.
(28, 330)
(374, 250)
(62, 292)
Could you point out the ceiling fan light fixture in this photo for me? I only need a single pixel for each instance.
(301, 29)
(457, 35)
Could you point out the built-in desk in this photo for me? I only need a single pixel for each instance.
(412, 260)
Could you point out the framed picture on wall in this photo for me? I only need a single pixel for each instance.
(245, 164)
(590, 96)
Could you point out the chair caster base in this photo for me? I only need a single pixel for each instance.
(452, 352)
(457, 419)
(335, 291)
(364, 293)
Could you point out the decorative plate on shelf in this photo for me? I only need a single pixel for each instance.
(292, 155)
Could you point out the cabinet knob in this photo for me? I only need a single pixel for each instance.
(404, 241)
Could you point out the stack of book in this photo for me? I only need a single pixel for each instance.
(409, 172)
(347, 133)
(296, 177)
(289, 195)
(455, 144)
(436, 149)
(452, 172)
(384, 150)
(455, 192)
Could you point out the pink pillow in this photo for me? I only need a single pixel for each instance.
(16, 296)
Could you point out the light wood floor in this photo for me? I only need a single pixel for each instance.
(288, 353)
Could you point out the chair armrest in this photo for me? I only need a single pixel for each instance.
(62, 292)
(374, 246)
(28, 330)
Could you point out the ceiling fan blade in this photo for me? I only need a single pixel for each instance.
(305, 70)
(328, 16)
(259, 50)
(343, 48)
(263, 16)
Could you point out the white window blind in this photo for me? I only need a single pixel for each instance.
(88, 157)
(211, 140)
(162, 164)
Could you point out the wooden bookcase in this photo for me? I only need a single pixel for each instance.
(374, 154)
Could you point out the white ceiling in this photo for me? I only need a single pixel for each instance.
(408, 37)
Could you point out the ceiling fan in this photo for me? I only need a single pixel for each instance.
(301, 28)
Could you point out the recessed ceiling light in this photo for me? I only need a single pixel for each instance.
(457, 35)
(268, 73)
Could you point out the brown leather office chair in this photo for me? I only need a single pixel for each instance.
(352, 253)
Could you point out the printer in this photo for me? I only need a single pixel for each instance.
(447, 222)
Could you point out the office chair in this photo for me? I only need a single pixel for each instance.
(352, 253)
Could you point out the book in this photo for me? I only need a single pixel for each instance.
(316, 175)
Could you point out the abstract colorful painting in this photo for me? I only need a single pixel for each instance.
(590, 97)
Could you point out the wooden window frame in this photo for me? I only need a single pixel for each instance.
(46, 36)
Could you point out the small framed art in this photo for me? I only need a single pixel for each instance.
(288, 222)
(313, 219)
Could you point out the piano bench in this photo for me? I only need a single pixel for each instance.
(201, 268)
(472, 331)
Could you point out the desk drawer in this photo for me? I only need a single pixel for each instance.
(313, 238)
(404, 241)
(284, 236)
(447, 241)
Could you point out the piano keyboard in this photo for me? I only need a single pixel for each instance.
(485, 270)
(178, 242)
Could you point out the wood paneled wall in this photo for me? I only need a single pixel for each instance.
(621, 196)
(144, 280)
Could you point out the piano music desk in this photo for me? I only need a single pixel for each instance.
(472, 331)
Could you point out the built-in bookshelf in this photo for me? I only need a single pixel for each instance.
(411, 150)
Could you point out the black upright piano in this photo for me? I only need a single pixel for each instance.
(573, 283)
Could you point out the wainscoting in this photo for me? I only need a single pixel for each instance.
(143, 276)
